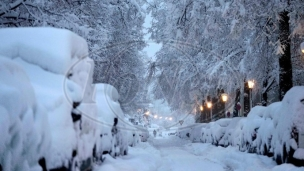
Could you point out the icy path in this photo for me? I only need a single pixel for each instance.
(174, 154)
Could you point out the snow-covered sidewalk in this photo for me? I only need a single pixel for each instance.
(174, 154)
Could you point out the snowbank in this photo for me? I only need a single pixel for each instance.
(277, 129)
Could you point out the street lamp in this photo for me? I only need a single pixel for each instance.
(209, 105)
(302, 47)
(250, 85)
(170, 118)
(224, 97)
(155, 116)
(202, 108)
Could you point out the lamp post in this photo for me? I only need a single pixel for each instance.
(224, 99)
(209, 105)
(250, 85)
(302, 47)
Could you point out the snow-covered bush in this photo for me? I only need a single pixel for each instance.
(25, 136)
(266, 130)
(57, 64)
(287, 141)
(251, 127)
(228, 137)
(277, 129)
(218, 130)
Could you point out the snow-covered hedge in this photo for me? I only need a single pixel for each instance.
(276, 130)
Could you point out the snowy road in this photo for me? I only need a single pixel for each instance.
(174, 154)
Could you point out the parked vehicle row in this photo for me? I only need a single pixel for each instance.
(276, 130)
(53, 119)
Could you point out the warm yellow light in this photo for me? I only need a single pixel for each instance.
(224, 97)
(302, 50)
(202, 108)
(302, 47)
(209, 104)
(250, 84)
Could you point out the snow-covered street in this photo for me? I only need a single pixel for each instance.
(175, 154)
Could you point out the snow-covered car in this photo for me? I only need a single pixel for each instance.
(184, 132)
(143, 133)
(59, 70)
(288, 136)
(196, 132)
(25, 133)
(113, 140)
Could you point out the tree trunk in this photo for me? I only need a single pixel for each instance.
(285, 82)
(264, 94)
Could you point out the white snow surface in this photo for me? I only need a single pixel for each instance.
(172, 153)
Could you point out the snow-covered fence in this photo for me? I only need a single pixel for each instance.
(276, 130)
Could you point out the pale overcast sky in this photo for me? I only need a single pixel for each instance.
(152, 47)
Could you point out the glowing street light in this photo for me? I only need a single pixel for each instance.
(202, 108)
(170, 118)
(224, 97)
(209, 105)
(302, 47)
(155, 116)
(250, 85)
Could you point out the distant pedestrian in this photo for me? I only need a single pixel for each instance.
(154, 133)
(228, 114)
(116, 140)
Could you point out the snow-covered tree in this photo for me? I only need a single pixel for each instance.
(113, 29)
(219, 44)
